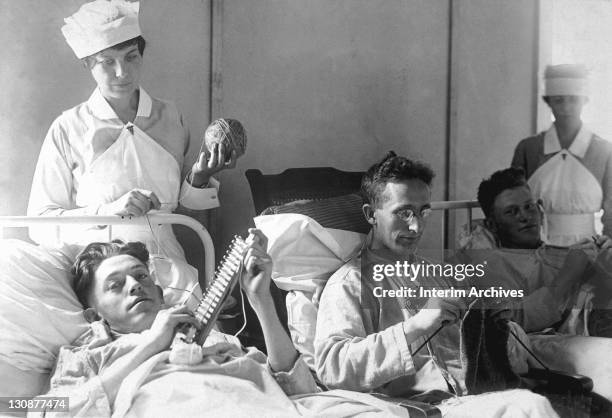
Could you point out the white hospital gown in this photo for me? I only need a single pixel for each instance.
(360, 343)
(231, 381)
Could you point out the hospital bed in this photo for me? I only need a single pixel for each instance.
(39, 311)
(37, 296)
(109, 221)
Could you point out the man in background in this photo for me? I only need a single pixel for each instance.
(550, 276)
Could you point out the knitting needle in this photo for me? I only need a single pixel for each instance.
(428, 339)
(528, 350)
(595, 240)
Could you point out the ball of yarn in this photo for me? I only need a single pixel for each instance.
(185, 353)
(228, 132)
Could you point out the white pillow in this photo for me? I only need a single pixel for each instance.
(39, 312)
(17, 383)
(305, 255)
(478, 238)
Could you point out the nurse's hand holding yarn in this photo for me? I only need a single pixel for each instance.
(228, 132)
(225, 141)
(207, 166)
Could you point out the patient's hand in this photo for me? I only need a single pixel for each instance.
(161, 333)
(603, 242)
(258, 268)
(256, 284)
(438, 312)
(155, 340)
(594, 246)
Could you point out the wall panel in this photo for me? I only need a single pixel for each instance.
(333, 83)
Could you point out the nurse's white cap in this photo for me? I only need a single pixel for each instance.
(101, 24)
(566, 80)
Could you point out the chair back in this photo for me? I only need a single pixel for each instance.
(300, 183)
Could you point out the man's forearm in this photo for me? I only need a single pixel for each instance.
(281, 352)
(412, 330)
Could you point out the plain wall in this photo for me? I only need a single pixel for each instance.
(333, 83)
(495, 54)
(40, 78)
(494, 69)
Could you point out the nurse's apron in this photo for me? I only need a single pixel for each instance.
(133, 161)
(572, 199)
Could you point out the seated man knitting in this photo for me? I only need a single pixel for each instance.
(121, 365)
(560, 284)
(374, 334)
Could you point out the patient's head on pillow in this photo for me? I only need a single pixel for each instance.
(512, 213)
(112, 282)
(397, 194)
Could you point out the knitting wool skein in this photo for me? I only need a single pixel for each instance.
(228, 132)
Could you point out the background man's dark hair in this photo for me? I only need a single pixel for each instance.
(499, 181)
(392, 168)
(88, 261)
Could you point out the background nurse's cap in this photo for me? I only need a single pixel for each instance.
(565, 80)
(101, 24)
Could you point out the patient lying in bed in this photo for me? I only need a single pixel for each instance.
(120, 365)
(569, 289)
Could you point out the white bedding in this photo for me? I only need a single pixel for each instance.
(588, 356)
(39, 312)
(304, 253)
(242, 390)
(225, 395)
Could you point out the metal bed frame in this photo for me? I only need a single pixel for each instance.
(154, 219)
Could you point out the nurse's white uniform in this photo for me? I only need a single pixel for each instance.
(134, 161)
(571, 195)
(90, 158)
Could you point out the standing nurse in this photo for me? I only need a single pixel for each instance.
(568, 167)
(122, 152)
